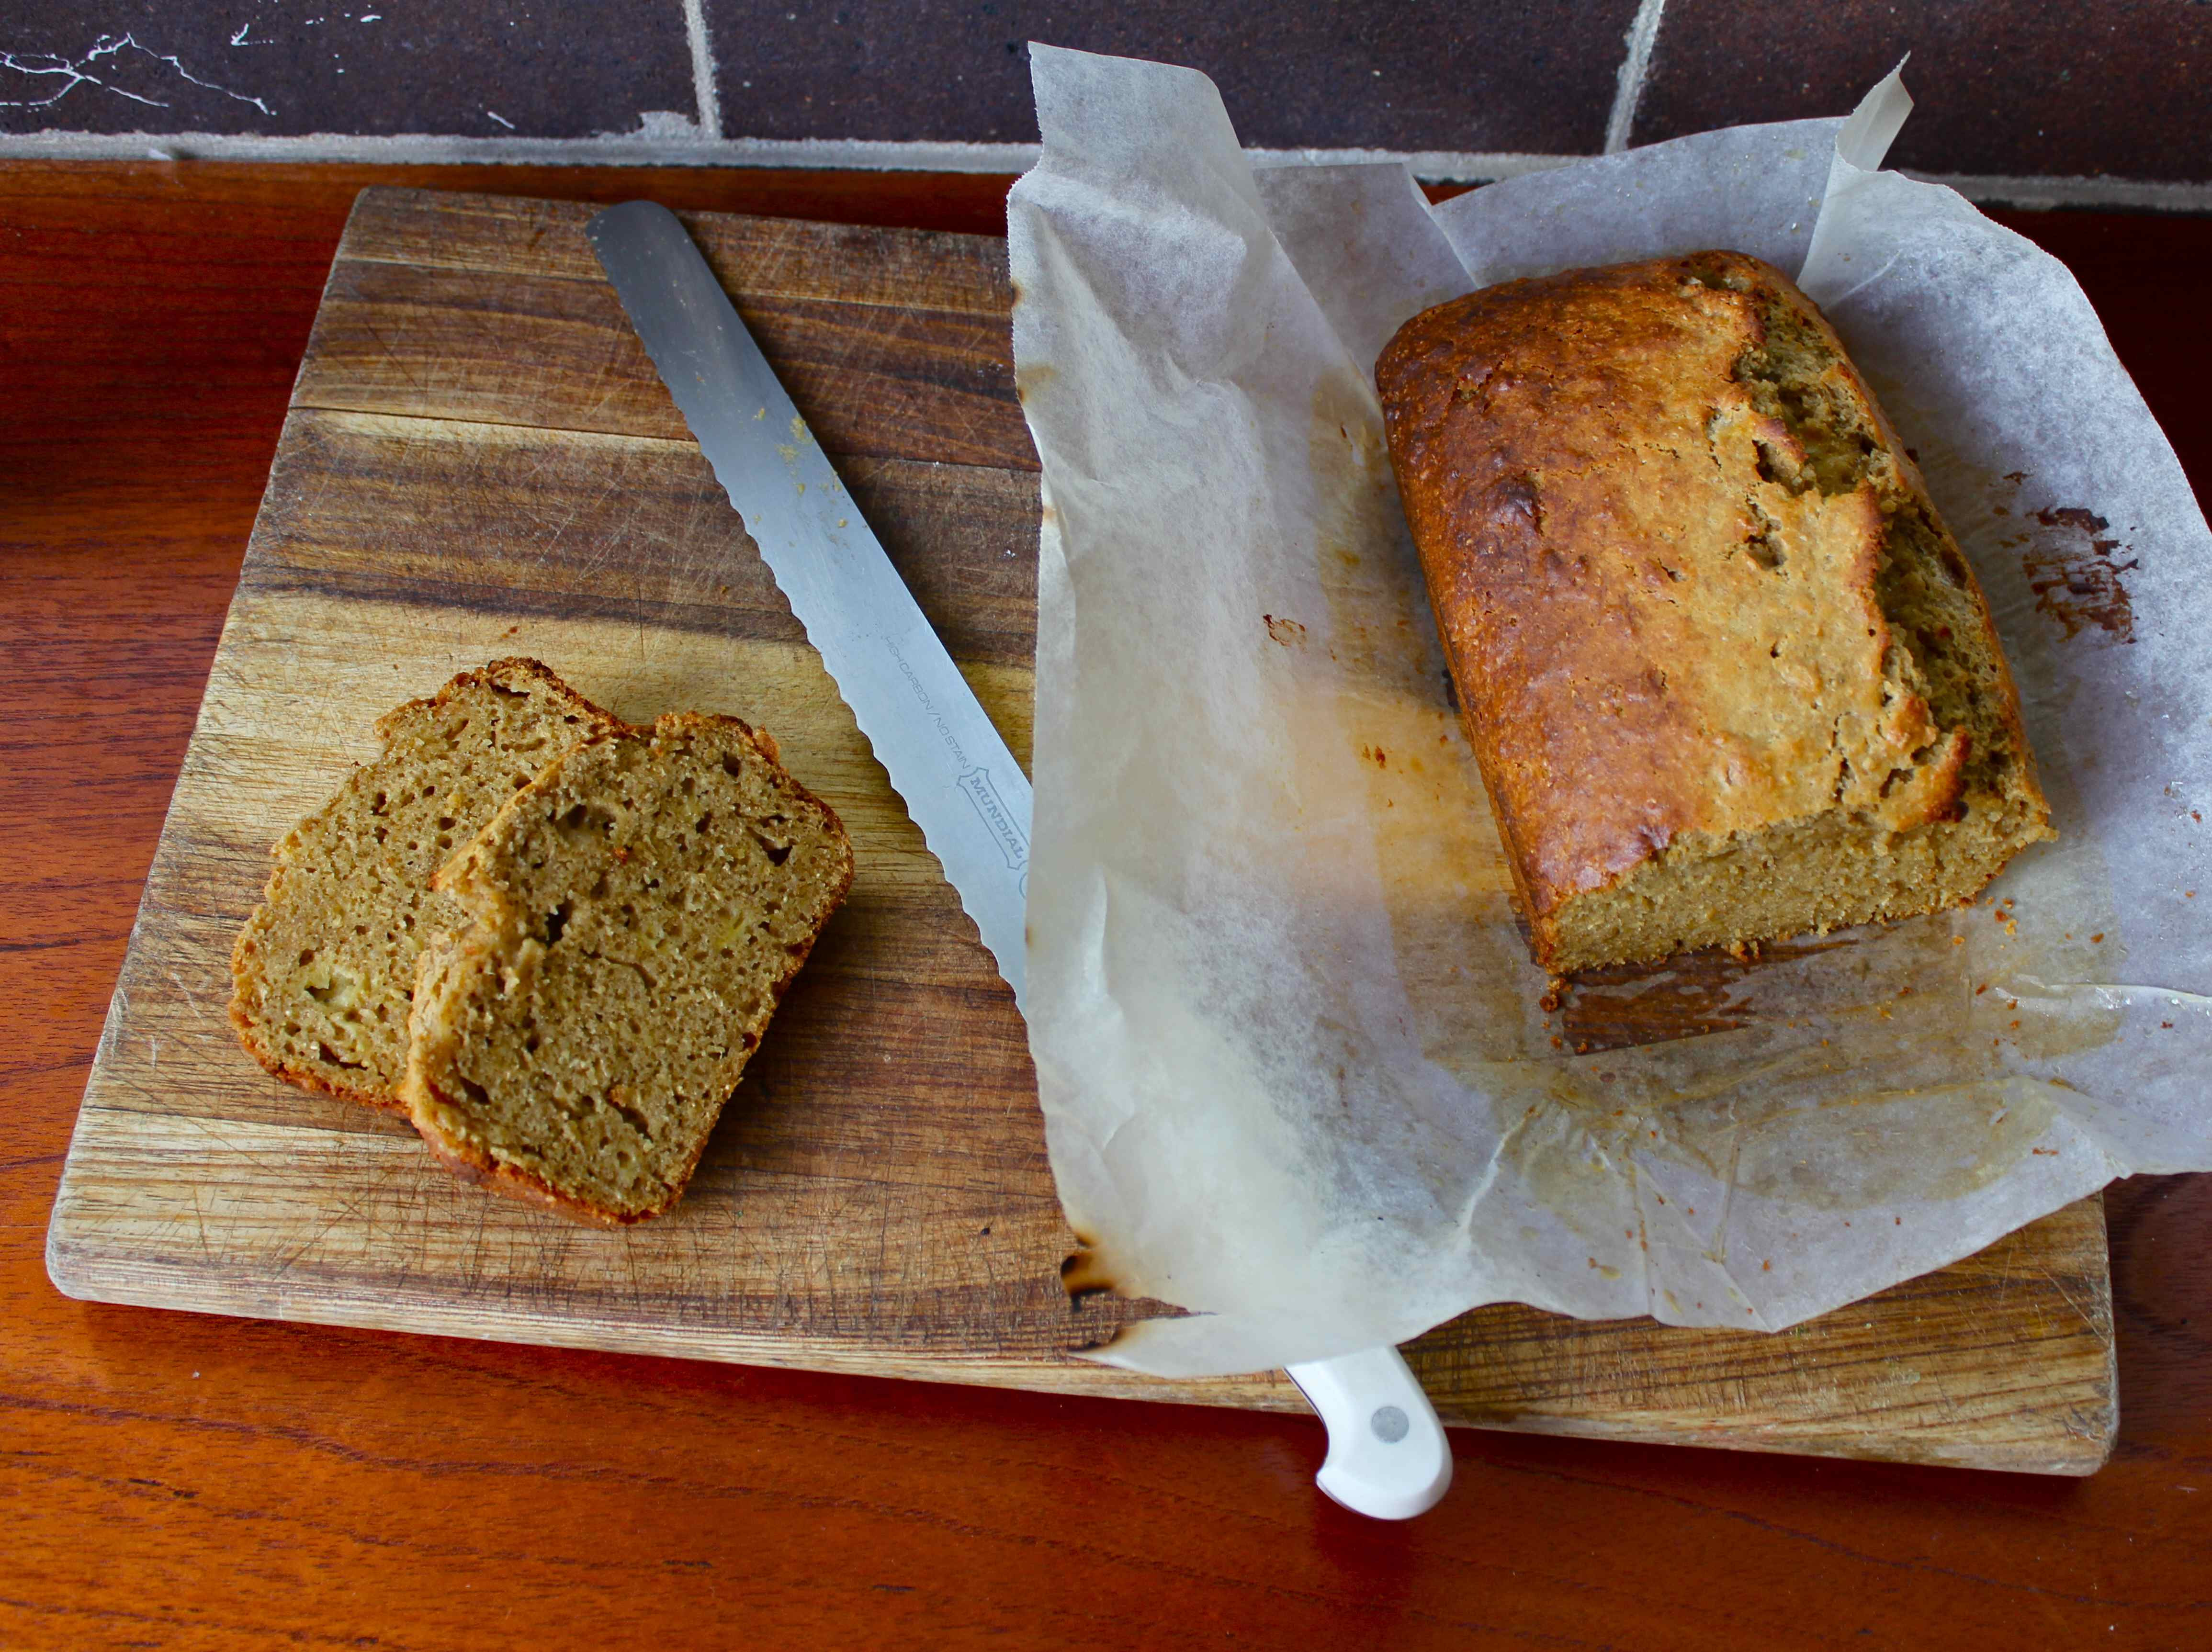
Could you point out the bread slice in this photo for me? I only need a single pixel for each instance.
(635, 915)
(1728, 675)
(322, 972)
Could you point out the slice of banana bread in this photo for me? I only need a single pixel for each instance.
(636, 915)
(322, 972)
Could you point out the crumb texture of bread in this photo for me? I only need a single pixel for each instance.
(635, 917)
(322, 972)
(1728, 675)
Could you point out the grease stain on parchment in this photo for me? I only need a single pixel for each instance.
(1836, 1073)
(2075, 571)
(1445, 880)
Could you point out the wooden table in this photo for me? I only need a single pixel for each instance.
(176, 1481)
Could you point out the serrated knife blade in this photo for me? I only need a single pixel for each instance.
(1388, 1454)
(945, 760)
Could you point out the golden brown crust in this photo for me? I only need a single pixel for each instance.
(497, 674)
(1658, 591)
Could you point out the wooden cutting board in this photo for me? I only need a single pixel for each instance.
(479, 461)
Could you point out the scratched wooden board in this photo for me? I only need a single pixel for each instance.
(479, 461)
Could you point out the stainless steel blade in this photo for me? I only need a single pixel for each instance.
(959, 782)
(947, 762)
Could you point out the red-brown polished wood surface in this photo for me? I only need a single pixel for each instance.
(173, 1480)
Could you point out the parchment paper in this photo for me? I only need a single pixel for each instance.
(1295, 1072)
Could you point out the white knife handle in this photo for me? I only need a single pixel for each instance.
(1387, 1456)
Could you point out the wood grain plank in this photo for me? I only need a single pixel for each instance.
(905, 381)
(878, 1198)
(1905, 1375)
(509, 519)
(756, 257)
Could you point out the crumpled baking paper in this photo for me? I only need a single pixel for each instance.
(1296, 1074)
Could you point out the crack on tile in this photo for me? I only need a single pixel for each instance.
(77, 71)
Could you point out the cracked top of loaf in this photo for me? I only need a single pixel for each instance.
(1689, 581)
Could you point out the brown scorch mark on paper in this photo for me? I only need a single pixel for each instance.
(1082, 1274)
(1285, 631)
(2074, 577)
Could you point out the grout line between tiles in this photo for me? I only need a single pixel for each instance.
(670, 139)
(667, 140)
(1635, 69)
(2000, 189)
(702, 68)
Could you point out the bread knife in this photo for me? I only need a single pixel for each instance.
(1387, 1452)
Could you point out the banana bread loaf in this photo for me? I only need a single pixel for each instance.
(1728, 675)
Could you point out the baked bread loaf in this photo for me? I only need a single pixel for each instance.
(635, 916)
(1728, 675)
(322, 972)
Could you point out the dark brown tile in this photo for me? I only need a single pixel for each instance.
(2113, 88)
(467, 68)
(1412, 75)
